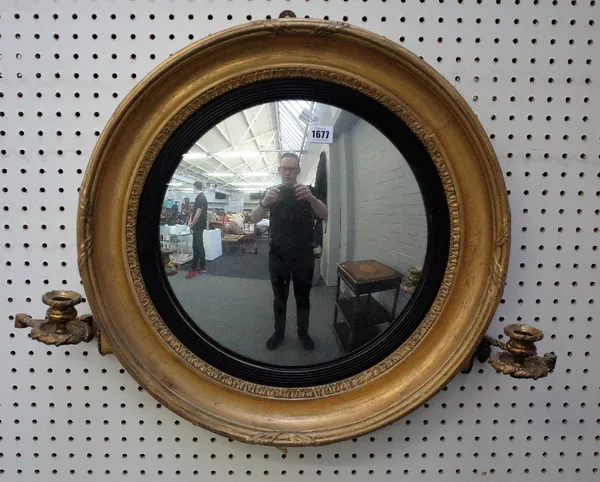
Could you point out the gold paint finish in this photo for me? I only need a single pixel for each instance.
(61, 325)
(340, 54)
(520, 359)
(414, 275)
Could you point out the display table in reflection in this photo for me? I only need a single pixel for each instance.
(247, 239)
(212, 243)
(181, 245)
(362, 312)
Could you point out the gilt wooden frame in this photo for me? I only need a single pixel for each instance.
(337, 53)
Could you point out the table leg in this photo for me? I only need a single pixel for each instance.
(352, 324)
(395, 302)
(337, 297)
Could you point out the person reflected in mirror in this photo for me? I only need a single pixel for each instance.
(197, 224)
(292, 208)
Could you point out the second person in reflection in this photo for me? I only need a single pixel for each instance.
(293, 208)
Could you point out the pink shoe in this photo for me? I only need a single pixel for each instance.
(201, 270)
(192, 273)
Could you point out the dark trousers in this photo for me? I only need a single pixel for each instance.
(199, 259)
(300, 270)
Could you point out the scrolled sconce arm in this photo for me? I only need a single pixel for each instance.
(518, 357)
(61, 326)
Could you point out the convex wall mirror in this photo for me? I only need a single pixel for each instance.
(293, 232)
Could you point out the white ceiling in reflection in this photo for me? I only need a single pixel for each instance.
(242, 152)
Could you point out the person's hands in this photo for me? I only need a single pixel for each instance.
(303, 192)
(271, 196)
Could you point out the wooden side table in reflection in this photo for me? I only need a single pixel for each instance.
(361, 311)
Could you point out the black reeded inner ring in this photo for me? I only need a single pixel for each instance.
(190, 334)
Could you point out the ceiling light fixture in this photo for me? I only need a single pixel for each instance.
(194, 155)
(228, 154)
(220, 174)
(233, 174)
(238, 154)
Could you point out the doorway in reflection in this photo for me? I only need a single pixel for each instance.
(353, 239)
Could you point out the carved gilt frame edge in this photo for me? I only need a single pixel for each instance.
(428, 140)
(498, 268)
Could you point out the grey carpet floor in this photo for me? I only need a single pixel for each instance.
(233, 304)
(233, 263)
(238, 314)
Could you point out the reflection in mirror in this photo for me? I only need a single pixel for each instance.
(293, 233)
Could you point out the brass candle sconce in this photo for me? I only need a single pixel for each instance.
(62, 325)
(517, 358)
(414, 275)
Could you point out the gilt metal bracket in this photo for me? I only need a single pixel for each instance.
(62, 326)
(518, 357)
(414, 275)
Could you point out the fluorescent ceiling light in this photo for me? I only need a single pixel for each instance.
(247, 189)
(233, 174)
(232, 154)
(175, 184)
(250, 184)
(238, 154)
(195, 155)
(177, 177)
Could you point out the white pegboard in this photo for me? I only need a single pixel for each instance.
(528, 68)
